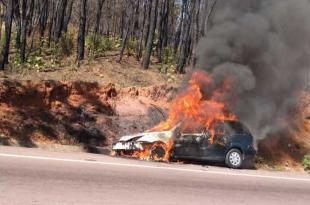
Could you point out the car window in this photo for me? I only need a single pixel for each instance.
(235, 127)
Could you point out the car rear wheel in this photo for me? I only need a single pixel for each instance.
(234, 159)
(158, 152)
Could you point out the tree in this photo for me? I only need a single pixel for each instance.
(141, 35)
(43, 16)
(149, 45)
(163, 28)
(25, 20)
(146, 27)
(8, 29)
(18, 24)
(207, 12)
(128, 21)
(179, 30)
(97, 21)
(67, 16)
(186, 40)
(52, 23)
(59, 19)
(81, 34)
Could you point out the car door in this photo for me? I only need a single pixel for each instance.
(214, 150)
(187, 146)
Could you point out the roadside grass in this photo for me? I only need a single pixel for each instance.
(306, 162)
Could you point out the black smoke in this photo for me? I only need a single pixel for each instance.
(264, 48)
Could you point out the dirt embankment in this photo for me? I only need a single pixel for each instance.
(288, 146)
(77, 112)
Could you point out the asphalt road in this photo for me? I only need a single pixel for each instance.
(32, 176)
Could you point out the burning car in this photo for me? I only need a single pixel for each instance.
(231, 143)
(200, 126)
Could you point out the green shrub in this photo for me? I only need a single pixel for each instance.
(131, 46)
(102, 45)
(306, 162)
(66, 44)
(168, 65)
(34, 61)
(169, 57)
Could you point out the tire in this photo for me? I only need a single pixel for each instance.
(158, 152)
(234, 159)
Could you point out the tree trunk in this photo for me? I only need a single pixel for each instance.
(59, 19)
(68, 16)
(128, 22)
(149, 45)
(51, 23)
(163, 30)
(30, 13)
(207, 12)
(195, 33)
(185, 45)
(1, 19)
(81, 35)
(149, 5)
(97, 21)
(160, 26)
(179, 31)
(23, 31)
(8, 28)
(18, 24)
(43, 17)
(139, 49)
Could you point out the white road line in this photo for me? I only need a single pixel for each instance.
(155, 167)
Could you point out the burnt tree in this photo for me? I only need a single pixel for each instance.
(8, 29)
(142, 30)
(59, 19)
(82, 28)
(178, 32)
(151, 34)
(128, 21)
(43, 16)
(186, 40)
(67, 16)
(97, 21)
(163, 28)
(18, 25)
(209, 6)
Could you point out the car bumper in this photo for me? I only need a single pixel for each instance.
(249, 154)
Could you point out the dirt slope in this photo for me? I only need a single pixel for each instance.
(288, 147)
(77, 112)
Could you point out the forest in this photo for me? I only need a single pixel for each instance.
(41, 34)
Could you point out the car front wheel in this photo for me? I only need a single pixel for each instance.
(158, 152)
(234, 159)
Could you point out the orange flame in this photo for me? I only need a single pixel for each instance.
(196, 109)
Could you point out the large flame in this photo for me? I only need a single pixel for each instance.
(197, 107)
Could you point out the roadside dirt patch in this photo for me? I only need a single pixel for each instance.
(78, 112)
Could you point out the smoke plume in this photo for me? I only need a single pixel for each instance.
(263, 47)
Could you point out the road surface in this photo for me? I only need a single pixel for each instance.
(36, 177)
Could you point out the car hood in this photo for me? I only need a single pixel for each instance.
(149, 137)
